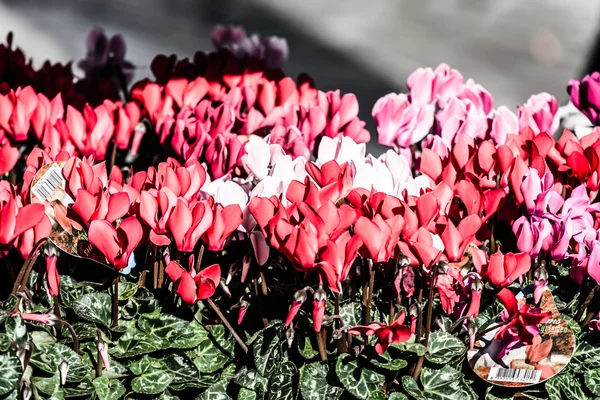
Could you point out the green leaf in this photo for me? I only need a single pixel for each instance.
(443, 347)
(182, 369)
(217, 391)
(439, 384)
(127, 290)
(246, 394)
(146, 364)
(108, 389)
(152, 382)
(305, 348)
(47, 385)
(267, 350)
(252, 380)
(314, 385)
(357, 380)
(83, 330)
(48, 358)
(133, 343)
(572, 324)
(10, 372)
(42, 338)
(377, 395)
(397, 396)
(4, 342)
(572, 388)
(351, 314)
(281, 382)
(171, 332)
(214, 351)
(592, 381)
(84, 388)
(71, 290)
(586, 357)
(553, 386)
(16, 329)
(94, 307)
(416, 348)
(386, 361)
(411, 387)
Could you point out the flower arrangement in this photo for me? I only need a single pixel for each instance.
(219, 232)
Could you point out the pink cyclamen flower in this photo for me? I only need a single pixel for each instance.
(540, 113)
(505, 123)
(461, 117)
(118, 244)
(427, 85)
(401, 123)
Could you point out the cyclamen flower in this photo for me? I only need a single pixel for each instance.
(397, 332)
(540, 114)
(274, 50)
(427, 85)
(104, 54)
(585, 95)
(192, 286)
(401, 123)
(118, 244)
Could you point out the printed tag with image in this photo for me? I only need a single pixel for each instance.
(526, 365)
(48, 187)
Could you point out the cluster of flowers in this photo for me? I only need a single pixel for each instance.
(244, 135)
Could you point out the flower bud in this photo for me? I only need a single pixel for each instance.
(541, 274)
(477, 285)
(27, 391)
(413, 310)
(63, 369)
(289, 335)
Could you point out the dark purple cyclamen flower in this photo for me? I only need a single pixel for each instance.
(585, 95)
(105, 55)
(272, 49)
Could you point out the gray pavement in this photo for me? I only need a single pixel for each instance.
(512, 47)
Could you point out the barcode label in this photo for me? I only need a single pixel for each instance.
(514, 375)
(46, 188)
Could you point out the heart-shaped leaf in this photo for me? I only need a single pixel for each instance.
(171, 332)
(133, 343)
(182, 369)
(314, 385)
(267, 350)
(214, 351)
(357, 379)
(108, 389)
(281, 385)
(94, 307)
(48, 358)
(443, 347)
(152, 382)
(10, 372)
(217, 391)
(592, 381)
(16, 329)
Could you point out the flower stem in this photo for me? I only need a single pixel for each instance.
(421, 359)
(587, 319)
(322, 342)
(27, 266)
(394, 294)
(263, 284)
(161, 273)
(73, 335)
(370, 297)
(342, 344)
(115, 301)
(587, 301)
(237, 338)
(199, 260)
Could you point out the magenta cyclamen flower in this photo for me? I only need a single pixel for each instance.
(104, 55)
(427, 85)
(585, 95)
(401, 123)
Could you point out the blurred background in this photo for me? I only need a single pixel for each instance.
(511, 47)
